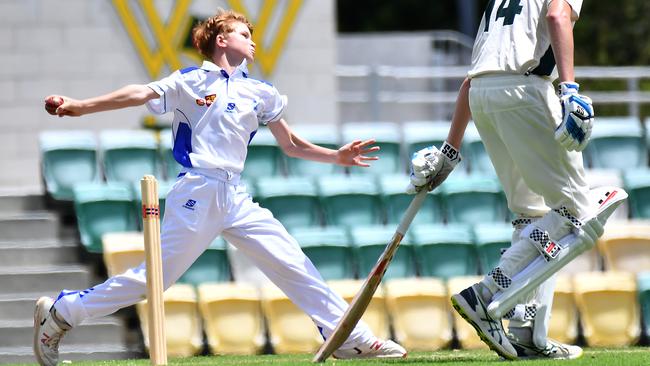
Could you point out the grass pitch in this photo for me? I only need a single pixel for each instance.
(632, 356)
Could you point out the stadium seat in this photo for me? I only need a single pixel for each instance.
(329, 249)
(211, 266)
(626, 246)
(490, 240)
(421, 134)
(326, 135)
(617, 143)
(563, 325)
(637, 185)
(293, 200)
(387, 136)
(396, 201)
(102, 208)
(473, 198)
(232, 318)
(171, 166)
(350, 200)
(420, 309)
(67, 158)
(465, 333)
(122, 251)
(129, 154)
(445, 250)
(474, 152)
(290, 329)
(609, 308)
(164, 186)
(376, 315)
(370, 242)
(183, 328)
(264, 158)
(643, 283)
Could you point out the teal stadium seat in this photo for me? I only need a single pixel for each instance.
(637, 185)
(445, 250)
(396, 201)
(171, 166)
(129, 154)
(617, 143)
(67, 158)
(293, 200)
(103, 208)
(323, 135)
(490, 240)
(264, 157)
(474, 152)
(387, 136)
(164, 186)
(370, 242)
(329, 250)
(350, 200)
(643, 286)
(473, 198)
(211, 266)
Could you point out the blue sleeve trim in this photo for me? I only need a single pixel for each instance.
(183, 145)
(188, 69)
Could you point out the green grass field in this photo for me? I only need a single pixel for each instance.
(596, 356)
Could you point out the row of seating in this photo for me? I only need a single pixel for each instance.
(70, 157)
(416, 312)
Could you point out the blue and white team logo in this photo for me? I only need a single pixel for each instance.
(190, 204)
(230, 107)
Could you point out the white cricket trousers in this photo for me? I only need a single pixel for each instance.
(200, 206)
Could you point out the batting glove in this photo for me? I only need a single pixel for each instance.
(430, 167)
(577, 118)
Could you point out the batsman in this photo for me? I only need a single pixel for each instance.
(534, 138)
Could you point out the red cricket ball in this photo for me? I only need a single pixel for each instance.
(52, 103)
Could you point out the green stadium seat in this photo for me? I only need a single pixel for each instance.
(617, 143)
(329, 249)
(322, 135)
(370, 242)
(264, 157)
(445, 250)
(103, 208)
(474, 152)
(211, 266)
(637, 185)
(643, 286)
(473, 198)
(293, 200)
(171, 166)
(387, 136)
(396, 201)
(67, 158)
(490, 240)
(129, 154)
(350, 200)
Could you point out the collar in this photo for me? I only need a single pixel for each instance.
(241, 70)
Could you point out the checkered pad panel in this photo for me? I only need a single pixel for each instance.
(544, 244)
(529, 312)
(562, 211)
(500, 279)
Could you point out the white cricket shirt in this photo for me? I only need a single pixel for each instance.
(514, 38)
(216, 115)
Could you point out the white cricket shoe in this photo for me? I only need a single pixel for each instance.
(48, 332)
(377, 349)
(526, 349)
(470, 305)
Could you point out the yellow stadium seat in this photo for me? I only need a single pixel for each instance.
(626, 246)
(232, 318)
(563, 325)
(376, 315)
(609, 308)
(465, 333)
(290, 329)
(122, 251)
(420, 311)
(182, 322)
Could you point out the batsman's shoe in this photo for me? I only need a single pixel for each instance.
(469, 304)
(377, 349)
(553, 350)
(48, 332)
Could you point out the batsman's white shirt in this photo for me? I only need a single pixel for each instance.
(516, 110)
(207, 200)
